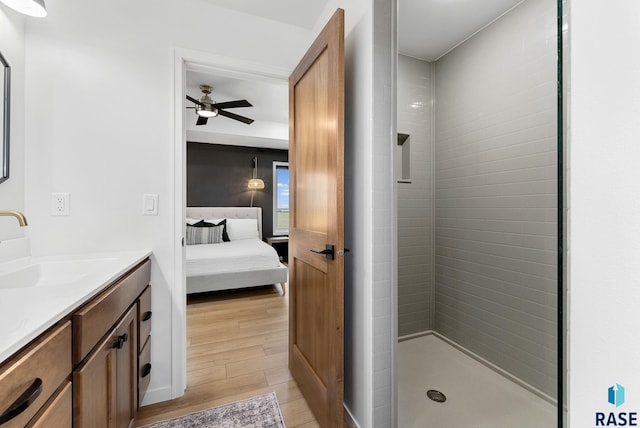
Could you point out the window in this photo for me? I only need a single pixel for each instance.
(281, 198)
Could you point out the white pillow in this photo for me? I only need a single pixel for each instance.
(214, 220)
(242, 228)
(192, 221)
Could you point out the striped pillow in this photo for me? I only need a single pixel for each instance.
(204, 233)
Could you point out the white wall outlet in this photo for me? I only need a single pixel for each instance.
(59, 204)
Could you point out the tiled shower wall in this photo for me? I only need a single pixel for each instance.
(414, 197)
(495, 194)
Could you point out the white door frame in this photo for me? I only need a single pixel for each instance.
(183, 60)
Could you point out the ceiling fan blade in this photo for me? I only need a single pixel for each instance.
(233, 104)
(235, 117)
(202, 120)
(193, 100)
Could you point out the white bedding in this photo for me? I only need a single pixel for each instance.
(236, 256)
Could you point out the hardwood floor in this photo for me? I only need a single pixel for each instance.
(237, 347)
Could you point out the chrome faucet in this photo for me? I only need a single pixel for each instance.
(22, 220)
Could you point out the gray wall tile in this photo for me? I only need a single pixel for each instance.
(495, 194)
(415, 198)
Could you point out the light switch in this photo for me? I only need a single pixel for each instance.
(150, 204)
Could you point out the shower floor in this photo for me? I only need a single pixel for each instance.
(477, 397)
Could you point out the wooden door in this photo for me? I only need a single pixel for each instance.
(316, 168)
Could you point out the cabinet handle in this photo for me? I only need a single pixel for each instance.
(146, 370)
(146, 316)
(23, 402)
(119, 343)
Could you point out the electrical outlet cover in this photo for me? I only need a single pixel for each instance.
(60, 204)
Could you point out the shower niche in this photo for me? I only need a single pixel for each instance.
(403, 158)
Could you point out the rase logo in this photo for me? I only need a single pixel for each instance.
(616, 397)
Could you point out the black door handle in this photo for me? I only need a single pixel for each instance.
(328, 251)
(23, 402)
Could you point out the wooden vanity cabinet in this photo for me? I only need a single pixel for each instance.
(34, 384)
(105, 380)
(88, 370)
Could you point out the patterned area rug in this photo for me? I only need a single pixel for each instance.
(256, 412)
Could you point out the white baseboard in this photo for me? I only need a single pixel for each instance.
(157, 395)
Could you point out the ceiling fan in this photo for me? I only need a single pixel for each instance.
(206, 107)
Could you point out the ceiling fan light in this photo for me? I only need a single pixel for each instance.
(206, 111)
(33, 8)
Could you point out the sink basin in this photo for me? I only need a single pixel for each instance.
(30, 272)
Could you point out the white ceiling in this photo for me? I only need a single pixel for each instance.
(270, 100)
(301, 13)
(428, 29)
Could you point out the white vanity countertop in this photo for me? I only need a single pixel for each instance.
(27, 312)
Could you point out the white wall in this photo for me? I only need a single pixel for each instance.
(12, 190)
(415, 107)
(99, 83)
(604, 206)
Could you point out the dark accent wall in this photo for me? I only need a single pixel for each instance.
(217, 176)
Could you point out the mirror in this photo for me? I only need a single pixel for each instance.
(4, 114)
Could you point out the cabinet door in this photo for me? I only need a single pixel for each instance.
(127, 369)
(94, 392)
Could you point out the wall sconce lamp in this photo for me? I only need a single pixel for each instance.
(33, 8)
(255, 183)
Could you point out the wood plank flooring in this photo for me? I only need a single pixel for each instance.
(237, 347)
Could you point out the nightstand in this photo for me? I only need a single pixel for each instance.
(281, 245)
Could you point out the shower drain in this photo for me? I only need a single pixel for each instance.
(436, 396)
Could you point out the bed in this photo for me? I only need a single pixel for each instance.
(244, 261)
